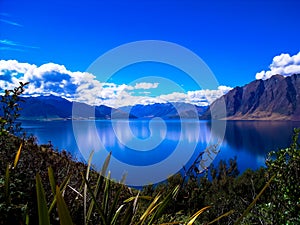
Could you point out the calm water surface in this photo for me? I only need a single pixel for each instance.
(249, 141)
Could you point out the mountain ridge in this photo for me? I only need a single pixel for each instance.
(53, 107)
(277, 98)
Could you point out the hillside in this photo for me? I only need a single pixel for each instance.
(277, 98)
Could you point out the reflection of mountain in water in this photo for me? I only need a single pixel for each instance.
(258, 137)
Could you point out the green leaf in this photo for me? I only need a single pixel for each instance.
(63, 212)
(7, 184)
(63, 186)
(42, 204)
(52, 180)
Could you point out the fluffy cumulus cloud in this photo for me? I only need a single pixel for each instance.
(78, 86)
(283, 64)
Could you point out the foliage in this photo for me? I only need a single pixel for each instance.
(284, 164)
(9, 111)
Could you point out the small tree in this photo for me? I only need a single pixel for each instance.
(9, 111)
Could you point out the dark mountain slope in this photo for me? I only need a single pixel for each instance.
(277, 98)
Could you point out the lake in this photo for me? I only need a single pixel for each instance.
(151, 150)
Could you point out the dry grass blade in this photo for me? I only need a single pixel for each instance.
(140, 197)
(105, 165)
(220, 217)
(163, 204)
(135, 205)
(149, 209)
(171, 223)
(18, 155)
(42, 204)
(195, 216)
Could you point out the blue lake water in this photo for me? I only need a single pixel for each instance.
(142, 143)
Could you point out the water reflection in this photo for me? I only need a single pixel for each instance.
(248, 140)
(259, 137)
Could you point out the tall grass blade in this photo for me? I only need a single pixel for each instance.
(18, 155)
(27, 219)
(52, 180)
(63, 186)
(220, 217)
(85, 186)
(164, 204)
(63, 212)
(195, 216)
(131, 209)
(113, 207)
(171, 223)
(254, 201)
(99, 209)
(145, 197)
(135, 205)
(105, 165)
(98, 185)
(91, 207)
(42, 204)
(149, 209)
(7, 184)
(116, 215)
(122, 181)
(106, 194)
(128, 216)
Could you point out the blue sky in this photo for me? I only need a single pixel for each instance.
(236, 39)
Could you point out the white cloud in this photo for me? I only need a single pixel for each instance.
(283, 64)
(78, 86)
(206, 97)
(145, 85)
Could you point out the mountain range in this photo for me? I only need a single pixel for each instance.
(53, 108)
(277, 98)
